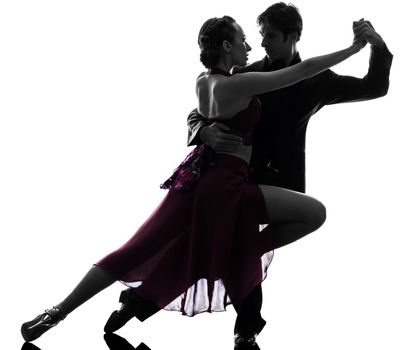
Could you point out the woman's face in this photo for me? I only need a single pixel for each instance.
(240, 47)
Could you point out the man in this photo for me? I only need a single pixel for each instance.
(279, 139)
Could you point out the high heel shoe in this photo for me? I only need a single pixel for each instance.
(35, 328)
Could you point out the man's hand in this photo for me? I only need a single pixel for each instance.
(364, 31)
(216, 137)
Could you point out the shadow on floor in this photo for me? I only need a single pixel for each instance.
(115, 342)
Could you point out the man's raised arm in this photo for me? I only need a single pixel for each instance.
(374, 84)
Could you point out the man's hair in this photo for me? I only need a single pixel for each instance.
(211, 36)
(284, 17)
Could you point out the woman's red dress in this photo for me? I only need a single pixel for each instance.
(202, 248)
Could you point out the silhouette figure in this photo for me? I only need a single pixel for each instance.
(187, 256)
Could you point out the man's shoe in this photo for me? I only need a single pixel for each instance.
(132, 305)
(243, 342)
(35, 328)
(128, 310)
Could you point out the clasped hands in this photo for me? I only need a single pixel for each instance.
(364, 33)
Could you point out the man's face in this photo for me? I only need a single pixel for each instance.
(275, 45)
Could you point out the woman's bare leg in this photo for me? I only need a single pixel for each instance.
(95, 280)
(292, 214)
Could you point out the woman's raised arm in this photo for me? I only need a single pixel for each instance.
(256, 83)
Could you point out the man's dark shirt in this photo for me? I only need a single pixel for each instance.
(278, 156)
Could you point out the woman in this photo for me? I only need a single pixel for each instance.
(202, 248)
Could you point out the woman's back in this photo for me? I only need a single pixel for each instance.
(239, 115)
(214, 100)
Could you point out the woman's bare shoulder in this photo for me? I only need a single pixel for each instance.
(216, 99)
(202, 74)
(210, 83)
(201, 80)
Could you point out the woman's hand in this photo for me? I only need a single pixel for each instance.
(360, 33)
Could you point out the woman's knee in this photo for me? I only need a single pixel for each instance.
(317, 214)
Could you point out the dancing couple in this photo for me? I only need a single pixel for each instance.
(240, 193)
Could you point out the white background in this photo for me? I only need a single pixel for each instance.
(94, 97)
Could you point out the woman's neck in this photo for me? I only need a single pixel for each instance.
(225, 66)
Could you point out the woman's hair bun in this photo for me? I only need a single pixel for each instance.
(212, 34)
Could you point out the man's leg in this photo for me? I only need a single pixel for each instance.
(292, 216)
(249, 320)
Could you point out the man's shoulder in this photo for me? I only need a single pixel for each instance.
(257, 66)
